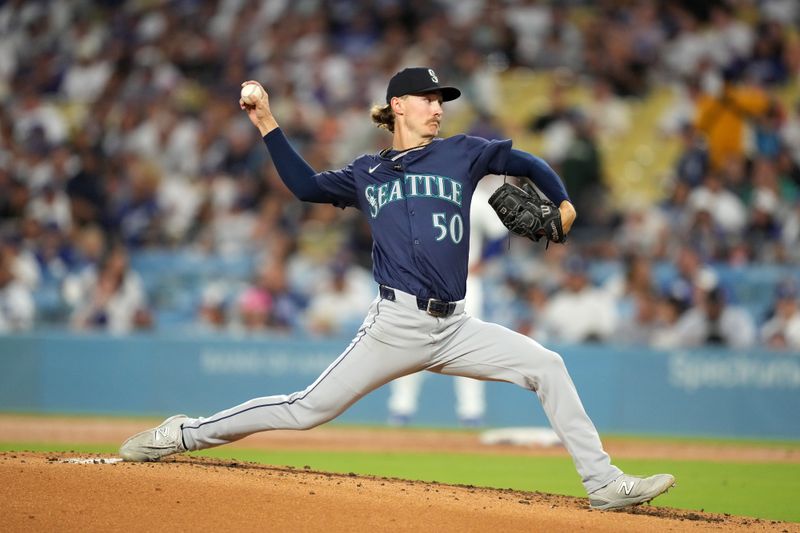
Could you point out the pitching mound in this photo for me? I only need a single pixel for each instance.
(67, 492)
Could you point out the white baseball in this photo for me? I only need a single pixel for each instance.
(251, 93)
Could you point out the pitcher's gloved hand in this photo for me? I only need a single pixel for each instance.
(526, 213)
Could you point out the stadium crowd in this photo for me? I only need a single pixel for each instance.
(120, 135)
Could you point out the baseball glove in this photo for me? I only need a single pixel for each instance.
(526, 213)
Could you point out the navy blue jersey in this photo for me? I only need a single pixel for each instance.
(417, 203)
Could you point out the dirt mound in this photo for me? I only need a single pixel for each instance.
(67, 492)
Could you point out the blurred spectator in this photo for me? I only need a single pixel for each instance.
(788, 175)
(713, 321)
(138, 215)
(255, 306)
(14, 196)
(35, 114)
(116, 301)
(635, 280)
(723, 117)
(674, 208)
(790, 132)
(611, 52)
(782, 330)
(87, 191)
(232, 226)
(767, 133)
(790, 235)
(85, 79)
(724, 207)
(682, 110)
(643, 230)
(555, 125)
(268, 303)
(243, 157)
(578, 311)
(17, 309)
(764, 228)
(684, 52)
(776, 178)
(53, 250)
(21, 262)
(667, 333)
(487, 126)
(680, 291)
(321, 239)
(335, 307)
(212, 316)
(693, 163)
(50, 207)
(79, 281)
(729, 39)
(640, 328)
(560, 43)
(707, 237)
(767, 64)
(693, 276)
(529, 305)
(736, 178)
(609, 115)
(581, 170)
(480, 81)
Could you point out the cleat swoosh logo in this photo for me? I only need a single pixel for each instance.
(372, 169)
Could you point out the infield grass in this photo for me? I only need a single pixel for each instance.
(763, 490)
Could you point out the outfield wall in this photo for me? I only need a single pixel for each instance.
(689, 392)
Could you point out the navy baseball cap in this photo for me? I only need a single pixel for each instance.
(417, 80)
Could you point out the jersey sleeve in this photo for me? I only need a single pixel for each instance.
(487, 157)
(521, 163)
(338, 186)
(330, 187)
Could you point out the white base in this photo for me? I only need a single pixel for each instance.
(521, 436)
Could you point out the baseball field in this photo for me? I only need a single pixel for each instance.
(61, 473)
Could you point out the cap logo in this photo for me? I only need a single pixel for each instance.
(434, 79)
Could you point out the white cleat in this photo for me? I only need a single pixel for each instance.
(627, 491)
(155, 443)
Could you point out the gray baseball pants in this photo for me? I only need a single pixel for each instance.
(396, 339)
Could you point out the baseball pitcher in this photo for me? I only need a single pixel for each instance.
(416, 196)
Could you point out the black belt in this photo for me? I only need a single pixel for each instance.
(432, 306)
